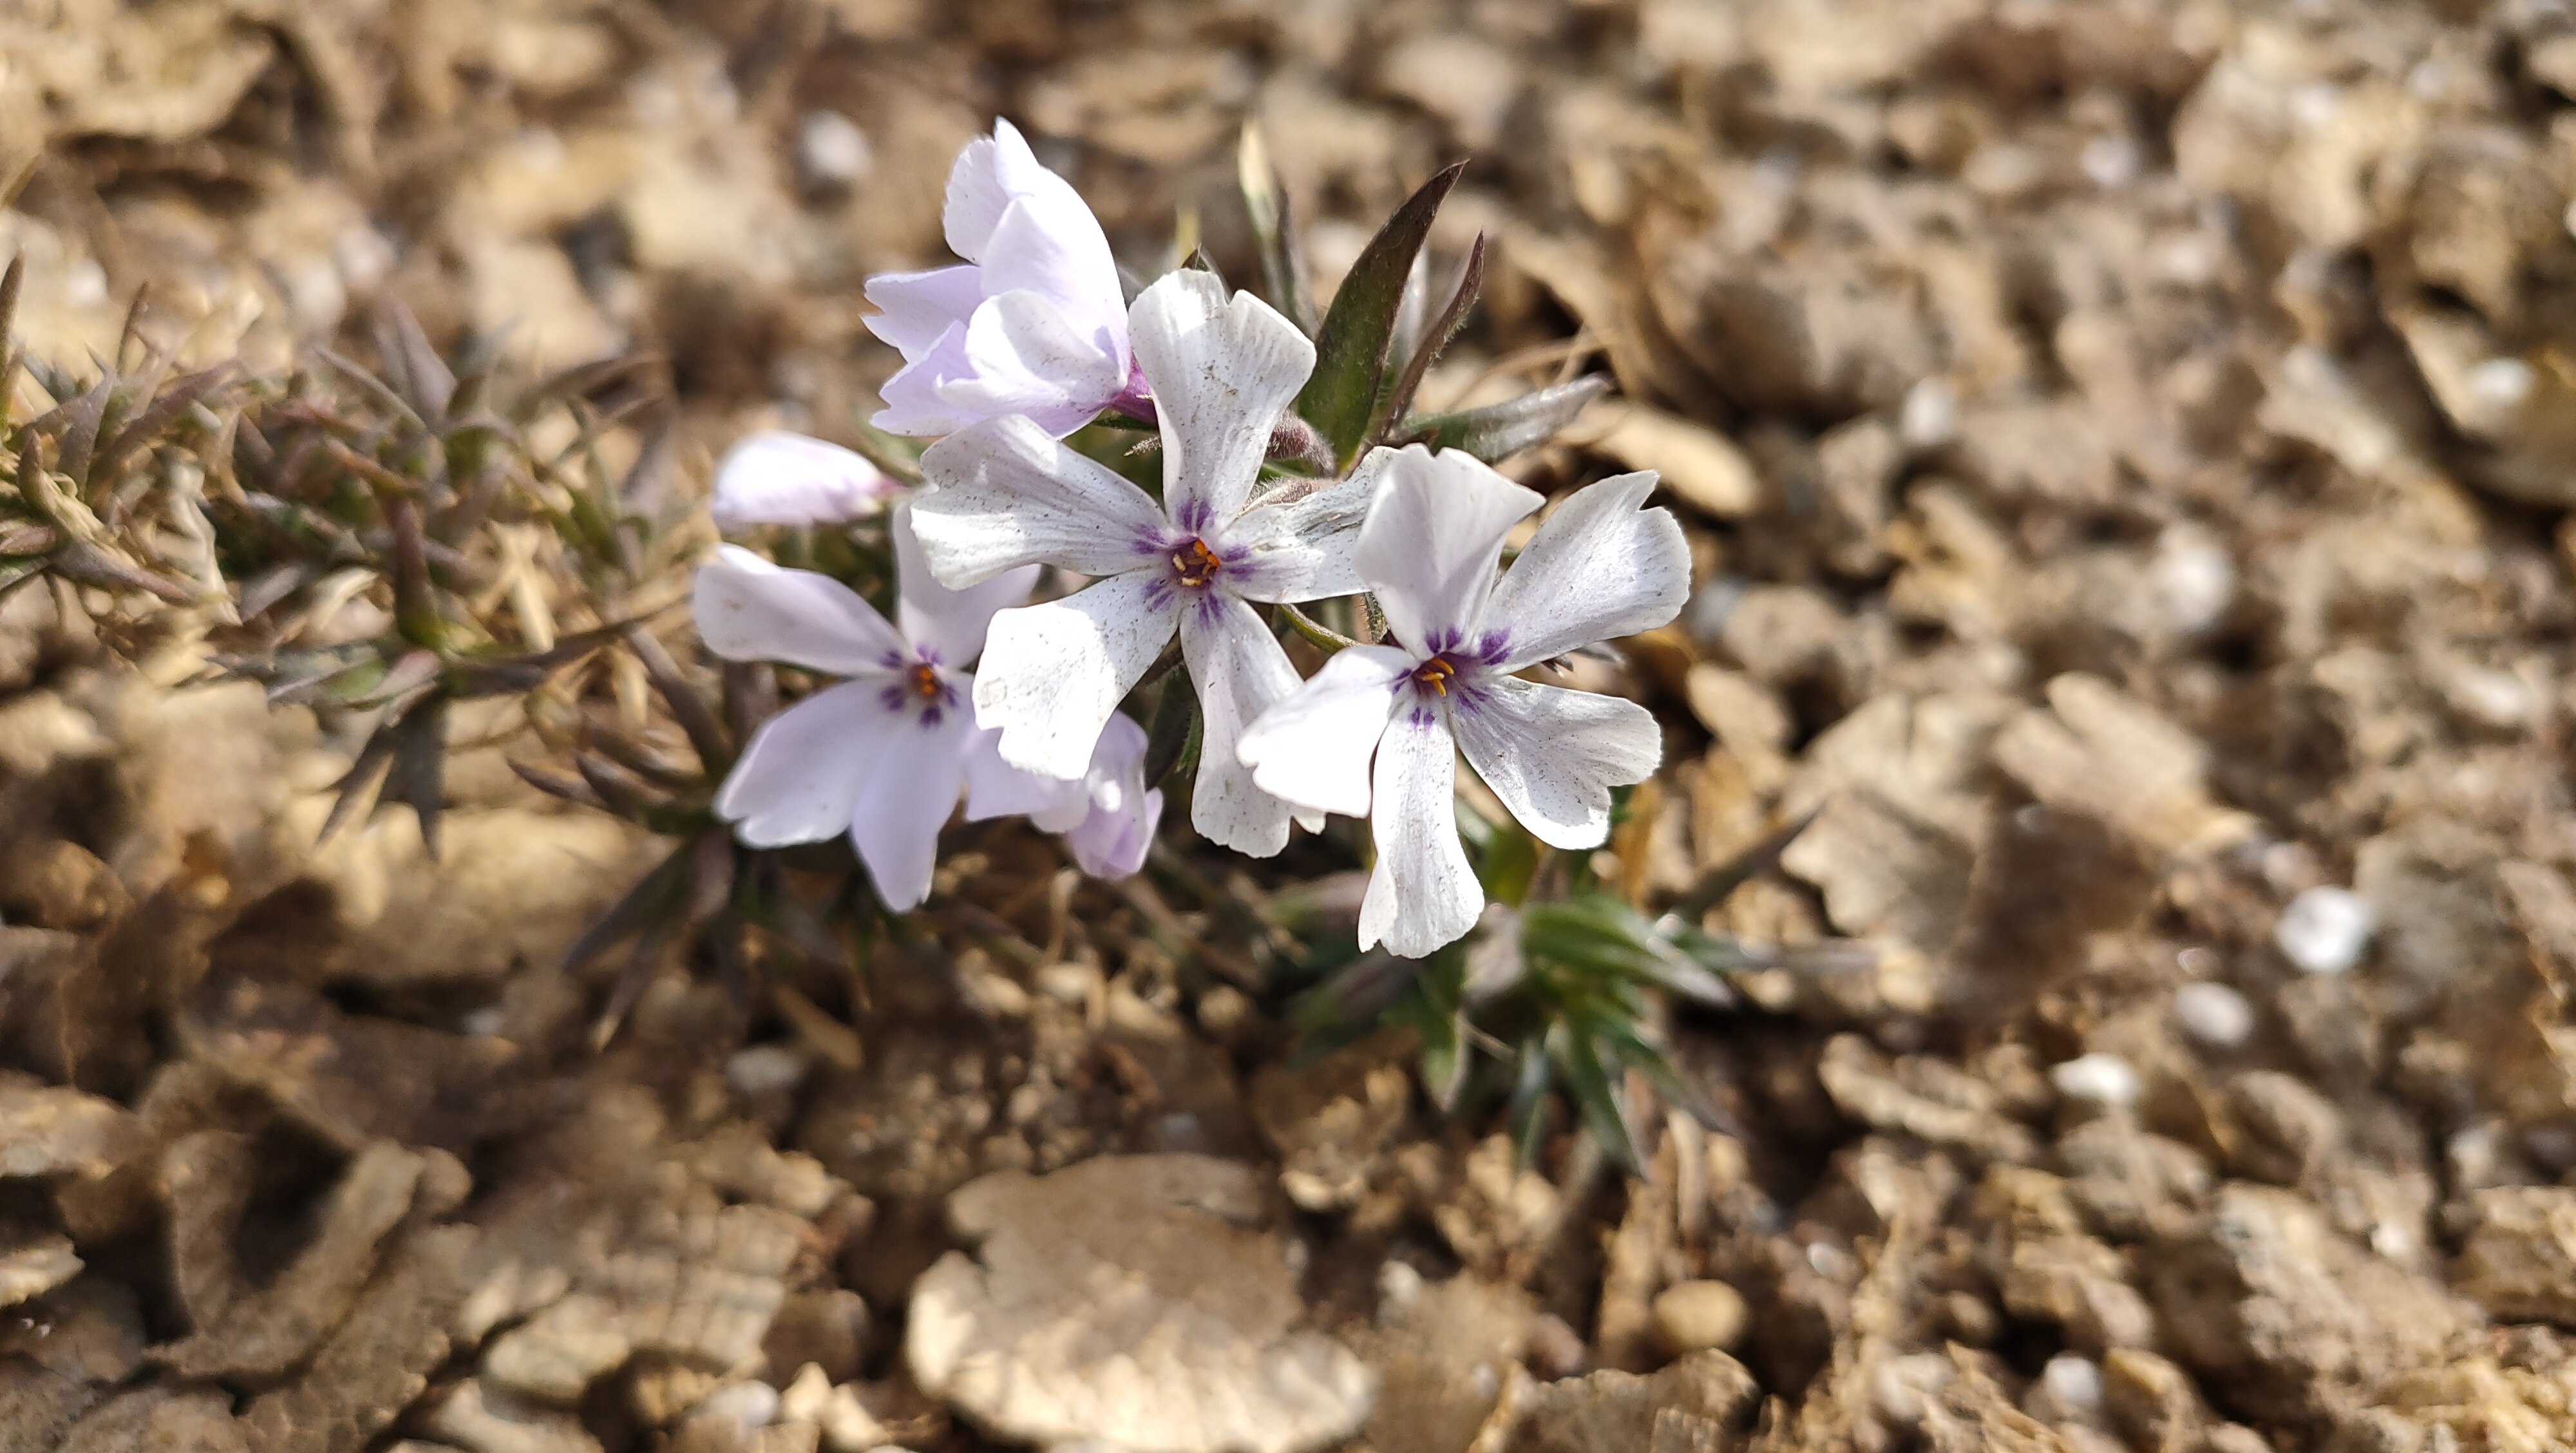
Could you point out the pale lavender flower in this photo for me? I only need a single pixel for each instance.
(1004, 495)
(1106, 817)
(882, 755)
(1377, 731)
(779, 478)
(1034, 322)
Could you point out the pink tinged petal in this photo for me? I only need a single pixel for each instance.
(1552, 755)
(1222, 371)
(995, 788)
(1313, 748)
(1307, 549)
(751, 610)
(1434, 534)
(1004, 494)
(1422, 894)
(1022, 358)
(1599, 568)
(1053, 673)
(949, 623)
(1240, 671)
(1114, 842)
(1117, 826)
(907, 799)
(779, 478)
(1049, 245)
(913, 405)
(915, 308)
(799, 780)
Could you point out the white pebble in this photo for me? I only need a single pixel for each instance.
(85, 285)
(2500, 383)
(2075, 1383)
(2193, 579)
(2325, 930)
(2099, 1079)
(2111, 161)
(2214, 1015)
(764, 1068)
(1930, 414)
(832, 149)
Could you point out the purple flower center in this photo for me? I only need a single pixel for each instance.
(919, 687)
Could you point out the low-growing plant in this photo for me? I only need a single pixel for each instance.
(1234, 485)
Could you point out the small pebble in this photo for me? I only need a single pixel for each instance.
(1906, 1385)
(832, 149)
(2110, 161)
(2500, 383)
(2214, 1015)
(765, 1068)
(2193, 579)
(2325, 930)
(1694, 1316)
(2074, 1383)
(2099, 1079)
(1930, 415)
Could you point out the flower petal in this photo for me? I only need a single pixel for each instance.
(915, 308)
(1117, 826)
(1599, 568)
(1113, 841)
(906, 801)
(779, 478)
(1422, 894)
(1552, 755)
(1004, 494)
(1050, 245)
(1053, 673)
(995, 788)
(1022, 358)
(977, 191)
(1239, 671)
(913, 405)
(799, 780)
(1434, 533)
(1307, 549)
(751, 610)
(1222, 371)
(1313, 748)
(949, 623)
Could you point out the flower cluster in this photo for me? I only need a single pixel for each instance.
(1008, 355)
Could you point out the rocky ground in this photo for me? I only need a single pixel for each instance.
(2123, 445)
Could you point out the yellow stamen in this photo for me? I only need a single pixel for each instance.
(1435, 674)
(925, 680)
(1195, 563)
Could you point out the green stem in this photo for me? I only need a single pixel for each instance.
(1324, 637)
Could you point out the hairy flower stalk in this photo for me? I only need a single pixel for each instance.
(1032, 324)
(1004, 495)
(883, 755)
(1376, 733)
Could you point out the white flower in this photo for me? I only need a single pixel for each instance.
(779, 478)
(1380, 726)
(881, 755)
(1034, 322)
(1003, 494)
(1107, 817)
